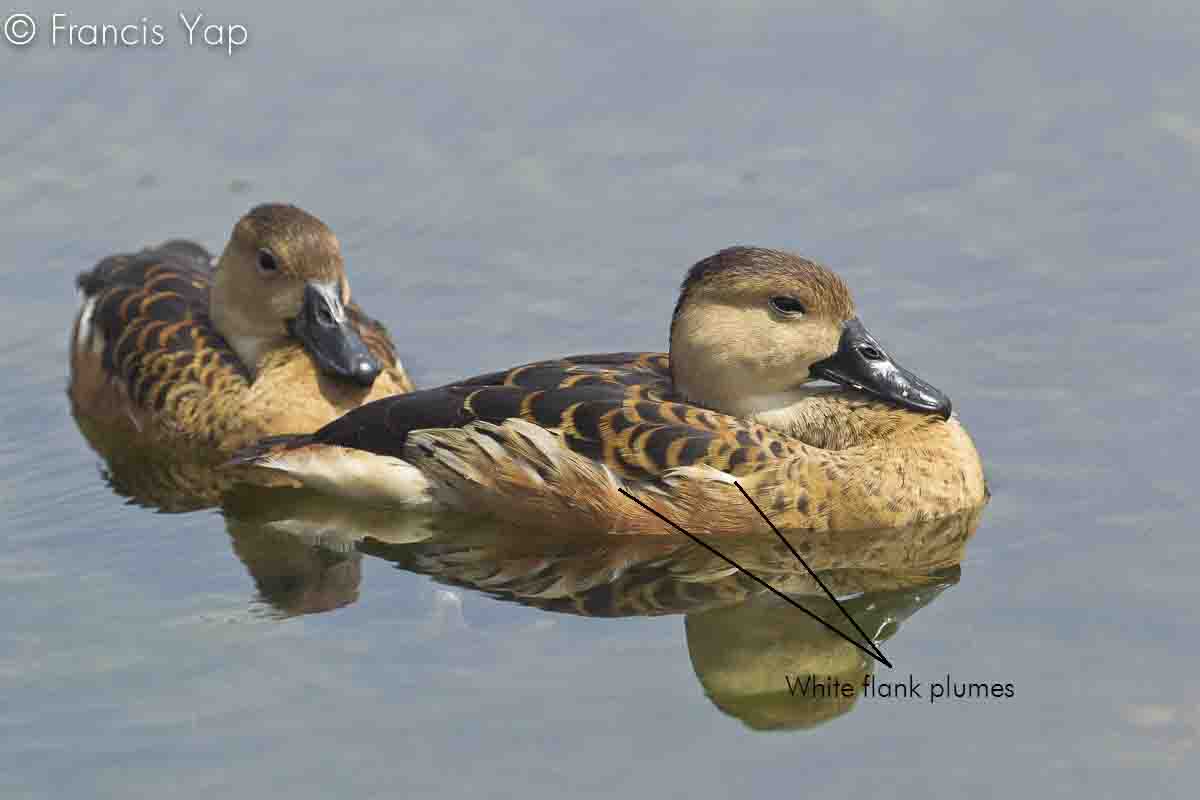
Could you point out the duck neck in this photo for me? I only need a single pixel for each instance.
(834, 418)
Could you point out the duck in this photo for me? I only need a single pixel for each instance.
(625, 442)
(181, 353)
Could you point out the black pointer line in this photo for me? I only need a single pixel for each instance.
(878, 653)
(878, 656)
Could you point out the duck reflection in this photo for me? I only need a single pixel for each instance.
(293, 576)
(162, 480)
(757, 657)
(771, 667)
(751, 651)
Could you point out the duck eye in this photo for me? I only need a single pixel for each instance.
(266, 262)
(788, 306)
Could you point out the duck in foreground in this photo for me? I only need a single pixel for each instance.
(179, 353)
(555, 443)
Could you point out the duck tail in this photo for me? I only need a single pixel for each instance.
(348, 472)
(268, 452)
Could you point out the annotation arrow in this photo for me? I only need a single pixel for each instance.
(874, 652)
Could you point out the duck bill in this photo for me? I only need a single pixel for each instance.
(861, 363)
(326, 332)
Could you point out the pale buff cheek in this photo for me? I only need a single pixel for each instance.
(738, 336)
(726, 355)
(784, 357)
(823, 342)
(286, 300)
(781, 363)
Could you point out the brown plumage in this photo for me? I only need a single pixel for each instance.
(181, 353)
(553, 443)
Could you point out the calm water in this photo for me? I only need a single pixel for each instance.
(1011, 195)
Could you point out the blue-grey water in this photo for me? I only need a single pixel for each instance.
(1009, 189)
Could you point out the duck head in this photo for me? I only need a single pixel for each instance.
(752, 326)
(281, 279)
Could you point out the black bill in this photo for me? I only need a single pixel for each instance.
(327, 333)
(861, 363)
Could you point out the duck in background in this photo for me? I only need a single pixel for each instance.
(176, 353)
